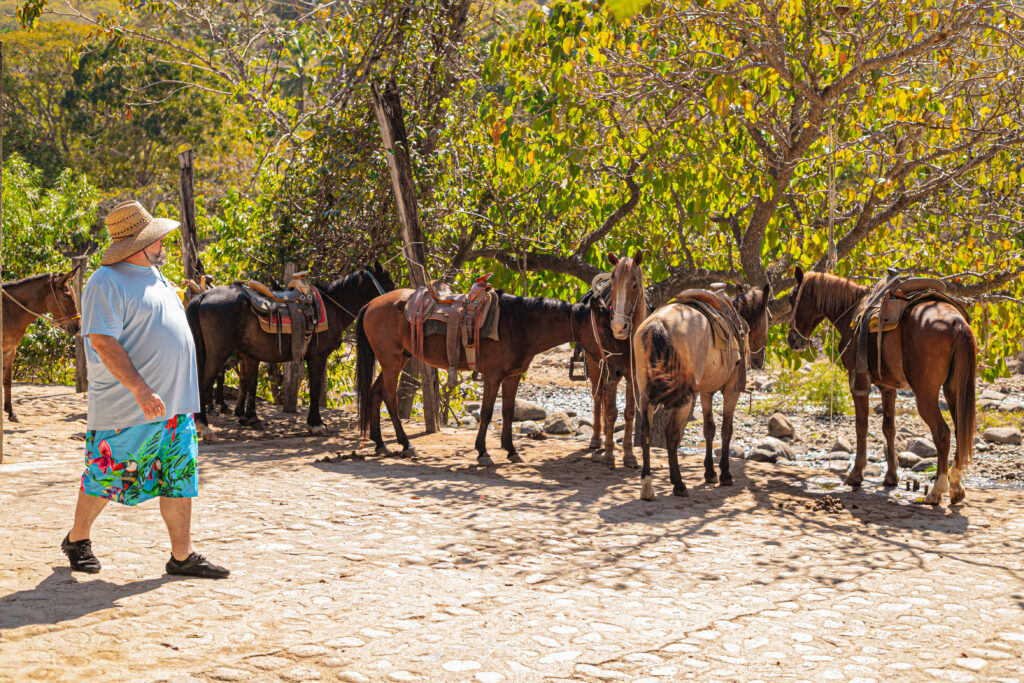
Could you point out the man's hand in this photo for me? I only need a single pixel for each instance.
(152, 405)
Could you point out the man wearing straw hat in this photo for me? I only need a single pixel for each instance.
(143, 389)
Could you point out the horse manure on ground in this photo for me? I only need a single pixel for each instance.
(829, 504)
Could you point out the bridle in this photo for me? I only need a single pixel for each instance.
(628, 317)
(792, 314)
(64, 318)
(334, 301)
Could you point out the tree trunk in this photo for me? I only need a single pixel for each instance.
(189, 233)
(1, 248)
(292, 371)
(81, 369)
(387, 106)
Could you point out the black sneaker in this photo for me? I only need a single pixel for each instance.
(196, 565)
(80, 554)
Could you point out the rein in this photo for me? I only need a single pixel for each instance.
(60, 304)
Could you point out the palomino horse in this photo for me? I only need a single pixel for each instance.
(526, 327)
(222, 322)
(932, 348)
(47, 296)
(676, 359)
(627, 309)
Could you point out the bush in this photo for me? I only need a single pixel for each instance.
(820, 386)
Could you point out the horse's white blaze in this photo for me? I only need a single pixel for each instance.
(647, 487)
(620, 316)
(934, 496)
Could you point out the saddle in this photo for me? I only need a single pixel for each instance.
(462, 318)
(298, 311)
(883, 309)
(728, 330)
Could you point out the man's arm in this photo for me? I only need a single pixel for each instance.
(116, 360)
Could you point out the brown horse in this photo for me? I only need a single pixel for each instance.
(627, 308)
(932, 348)
(676, 359)
(47, 296)
(526, 327)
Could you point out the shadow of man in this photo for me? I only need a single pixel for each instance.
(61, 597)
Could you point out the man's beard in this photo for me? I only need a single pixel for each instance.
(158, 260)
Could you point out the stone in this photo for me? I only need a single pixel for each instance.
(908, 459)
(771, 449)
(586, 431)
(873, 470)
(527, 410)
(735, 451)
(991, 395)
(1006, 435)
(529, 427)
(1011, 405)
(922, 466)
(842, 445)
(922, 447)
(558, 423)
(780, 427)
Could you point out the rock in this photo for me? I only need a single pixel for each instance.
(1011, 405)
(526, 410)
(585, 422)
(770, 450)
(842, 445)
(922, 447)
(838, 466)
(735, 451)
(1010, 435)
(558, 423)
(908, 459)
(475, 414)
(570, 413)
(620, 426)
(992, 395)
(783, 461)
(922, 466)
(529, 427)
(873, 470)
(779, 426)
(586, 431)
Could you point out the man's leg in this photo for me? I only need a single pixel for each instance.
(86, 512)
(177, 514)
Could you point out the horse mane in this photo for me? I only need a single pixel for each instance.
(343, 281)
(30, 278)
(749, 304)
(832, 293)
(518, 305)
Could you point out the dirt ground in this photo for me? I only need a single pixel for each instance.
(352, 567)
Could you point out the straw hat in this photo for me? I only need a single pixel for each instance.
(132, 229)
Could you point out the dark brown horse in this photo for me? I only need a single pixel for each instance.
(627, 308)
(49, 296)
(932, 349)
(222, 323)
(677, 358)
(526, 327)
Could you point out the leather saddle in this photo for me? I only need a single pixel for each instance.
(883, 309)
(463, 318)
(298, 311)
(728, 329)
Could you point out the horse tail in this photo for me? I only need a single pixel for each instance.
(668, 382)
(961, 383)
(365, 358)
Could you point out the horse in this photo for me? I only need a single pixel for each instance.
(933, 347)
(526, 327)
(626, 310)
(676, 358)
(222, 323)
(47, 296)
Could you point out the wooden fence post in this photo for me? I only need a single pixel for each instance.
(81, 369)
(292, 371)
(387, 105)
(189, 231)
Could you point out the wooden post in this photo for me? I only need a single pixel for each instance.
(387, 105)
(292, 371)
(2, 397)
(81, 370)
(189, 231)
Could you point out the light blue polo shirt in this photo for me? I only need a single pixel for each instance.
(139, 307)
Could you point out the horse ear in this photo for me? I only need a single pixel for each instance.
(798, 273)
(612, 258)
(767, 290)
(597, 304)
(376, 266)
(638, 257)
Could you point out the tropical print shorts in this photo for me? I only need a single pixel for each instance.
(135, 464)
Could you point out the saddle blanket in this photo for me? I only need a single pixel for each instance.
(269, 324)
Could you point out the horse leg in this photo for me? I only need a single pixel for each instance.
(892, 466)
(860, 408)
(597, 393)
(729, 401)
(706, 407)
(628, 459)
(673, 434)
(611, 414)
(389, 375)
(646, 480)
(928, 408)
(243, 387)
(315, 366)
(956, 490)
(509, 388)
(251, 371)
(491, 387)
(8, 366)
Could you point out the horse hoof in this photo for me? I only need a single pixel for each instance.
(891, 481)
(13, 418)
(595, 445)
(484, 461)
(609, 461)
(854, 482)
(646, 489)
(629, 460)
(726, 480)
(515, 457)
(957, 496)
(680, 491)
(381, 449)
(408, 452)
(318, 430)
(710, 478)
(932, 498)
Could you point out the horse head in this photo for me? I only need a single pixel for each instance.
(61, 303)
(805, 315)
(627, 304)
(752, 306)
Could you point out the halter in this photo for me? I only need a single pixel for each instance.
(632, 312)
(792, 314)
(374, 280)
(59, 322)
